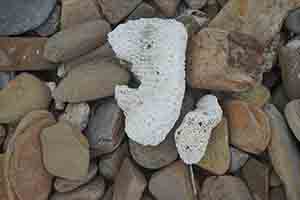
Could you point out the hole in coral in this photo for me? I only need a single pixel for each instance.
(200, 123)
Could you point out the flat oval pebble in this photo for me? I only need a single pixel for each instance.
(292, 114)
(22, 95)
(65, 151)
(19, 16)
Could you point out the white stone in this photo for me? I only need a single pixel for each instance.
(77, 114)
(192, 136)
(156, 48)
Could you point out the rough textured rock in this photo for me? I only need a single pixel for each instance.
(222, 60)
(260, 19)
(20, 54)
(98, 79)
(196, 4)
(238, 159)
(279, 98)
(17, 16)
(110, 164)
(24, 172)
(22, 95)
(256, 176)
(284, 154)
(117, 10)
(171, 183)
(249, 126)
(259, 95)
(168, 7)
(92, 191)
(76, 12)
(292, 115)
(289, 62)
(152, 109)
(217, 156)
(277, 194)
(76, 41)
(224, 188)
(51, 25)
(130, 183)
(144, 10)
(66, 185)
(292, 21)
(65, 151)
(192, 136)
(105, 128)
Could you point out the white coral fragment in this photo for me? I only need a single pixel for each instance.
(156, 48)
(193, 134)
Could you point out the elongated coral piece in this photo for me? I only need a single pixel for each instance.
(156, 48)
(193, 134)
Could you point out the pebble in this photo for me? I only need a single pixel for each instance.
(91, 191)
(249, 126)
(76, 41)
(196, 4)
(51, 25)
(171, 183)
(283, 153)
(144, 10)
(292, 21)
(238, 159)
(168, 7)
(226, 72)
(65, 185)
(279, 98)
(21, 54)
(116, 10)
(65, 151)
(292, 115)
(277, 194)
(34, 95)
(110, 164)
(18, 17)
(258, 95)
(24, 172)
(130, 183)
(289, 63)
(5, 77)
(76, 12)
(77, 114)
(98, 79)
(154, 157)
(217, 155)
(255, 18)
(274, 179)
(224, 188)
(105, 130)
(256, 176)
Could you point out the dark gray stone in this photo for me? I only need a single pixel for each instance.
(19, 16)
(292, 22)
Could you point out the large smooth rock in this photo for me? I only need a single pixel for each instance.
(284, 154)
(171, 183)
(217, 156)
(110, 164)
(65, 151)
(256, 175)
(89, 81)
(168, 7)
(249, 126)
(22, 95)
(91, 191)
(130, 183)
(66, 185)
(22, 54)
(19, 16)
(105, 130)
(76, 41)
(77, 12)
(24, 171)
(222, 60)
(289, 62)
(224, 188)
(117, 10)
(260, 19)
(292, 115)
